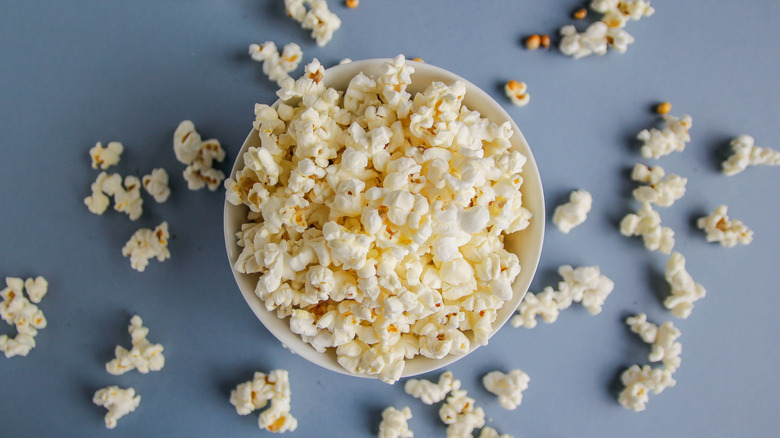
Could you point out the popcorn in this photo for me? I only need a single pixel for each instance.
(684, 291)
(647, 223)
(127, 198)
(18, 311)
(657, 143)
(461, 414)
(618, 12)
(105, 157)
(543, 304)
(319, 19)
(143, 356)
(579, 45)
(429, 392)
(659, 191)
(199, 156)
(745, 153)
(606, 32)
(256, 393)
(394, 423)
(146, 244)
(639, 382)
(517, 92)
(489, 432)
(277, 67)
(508, 387)
(574, 212)
(156, 184)
(118, 401)
(727, 232)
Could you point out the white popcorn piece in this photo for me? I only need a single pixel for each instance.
(143, 356)
(684, 291)
(608, 32)
(18, 311)
(429, 392)
(36, 288)
(118, 401)
(199, 156)
(618, 12)
(461, 415)
(721, 229)
(489, 432)
(318, 18)
(394, 423)
(543, 304)
(344, 61)
(579, 45)
(256, 393)
(104, 158)
(275, 65)
(156, 184)
(647, 223)
(508, 387)
(127, 197)
(517, 92)
(639, 382)
(659, 190)
(146, 244)
(657, 143)
(665, 349)
(744, 153)
(574, 212)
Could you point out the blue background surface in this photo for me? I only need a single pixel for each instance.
(74, 73)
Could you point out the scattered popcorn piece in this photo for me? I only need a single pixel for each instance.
(21, 313)
(574, 212)
(661, 142)
(659, 191)
(143, 356)
(533, 42)
(104, 158)
(146, 244)
(461, 414)
(639, 382)
(517, 92)
(199, 156)
(744, 153)
(608, 32)
(663, 108)
(618, 12)
(36, 288)
(580, 14)
(118, 401)
(156, 184)
(276, 66)
(318, 18)
(489, 432)
(578, 45)
(429, 392)
(721, 229)
(647, 223)
(684, 291)
(544, 41)
(127, 198)
(256, 393)
(543, 304)
(394, 423)
(345, 61)
(508, 387)
(352, 3)
(665, 349)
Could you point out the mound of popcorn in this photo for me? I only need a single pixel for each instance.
(22, 313)
(657, 143)
(608, 32)
(508, 387)
(146, 244)
(684, 291)
(517, 92)
(574, 212)
(395, 424)
(376, 218)
(143, 356)
(461, 414)
(256, 393)
(127, 197)
(584, 285)
(744, 153)
(318, 18)
(276, 66)
(199, 156)
(156, 184)
(429, 392)
(658, 190)
(104, 158)
(721, 229)
(118, 401)
(647, 223)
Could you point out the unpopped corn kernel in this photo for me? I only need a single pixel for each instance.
(118, 401)
(352, 3)
(580, 14)
(533, 42)
(544, 41)
(663, 108)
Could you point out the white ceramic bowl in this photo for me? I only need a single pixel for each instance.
(527, 244)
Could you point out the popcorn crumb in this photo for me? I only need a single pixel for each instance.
(156, 184)
(517, 92)
(721, 229)
(574, 212)
(745, 153)
(663, 108)
(684, 291)
(418, 60)
(461, 414)
(394, 423)
(199, 156)
(658, 191)
(345, 61)
(104, 158)
(657, 143)
(275, 65)
(143, 356)
(256, 393)
(608, 32)
(146, 244)
(429, 392)
(647, 223)
(533, 42)
(20, 312)
(318, 18)
(508, 387)
(118, 401)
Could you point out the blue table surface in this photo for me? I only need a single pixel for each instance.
(74, 73)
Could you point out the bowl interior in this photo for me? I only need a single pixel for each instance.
(526, 244)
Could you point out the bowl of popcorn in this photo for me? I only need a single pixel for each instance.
(383, 218)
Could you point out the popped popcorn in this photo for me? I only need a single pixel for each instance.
(275, 65)
(659, 190)
(508, 387)
(517, 92)
(744, 153)
(199, 156)
(608, 32)
(256, 393)
(721, 229)
(639, 382)
(429, 392)
(127, 198)
(376, 221)
(146, 244)
(106, 157)
(647, 223)
(684, 291)
(461, 414)
(489, 432)
(657, 143)
(118, 401)
(662, 338)
(574, 212)
(143, 356)
(318, 18)
(578, 45)
(394, 423)
(20, 312)
(156, 184)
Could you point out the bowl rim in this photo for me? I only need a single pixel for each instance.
(534, 233)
